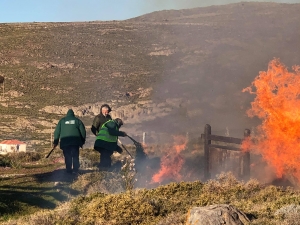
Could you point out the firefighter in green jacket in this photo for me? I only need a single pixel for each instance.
(71, 133)
(106, 141)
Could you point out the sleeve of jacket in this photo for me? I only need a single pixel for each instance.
(95, 126)
(56, 135)
(111, 127)
(82, 131)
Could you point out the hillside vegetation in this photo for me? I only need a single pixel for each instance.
(168, 204)
(155, 70)
(165, 73)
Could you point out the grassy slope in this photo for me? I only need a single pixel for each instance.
(28, 187)
(211, 52)
(69, 63)
(169, 204)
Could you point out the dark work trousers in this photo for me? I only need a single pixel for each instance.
(71, 154)
(105, 158)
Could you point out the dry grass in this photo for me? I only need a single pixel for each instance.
(169, 204)
(94, 182)
(15, 160)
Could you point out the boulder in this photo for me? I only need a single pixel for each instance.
(216, 215)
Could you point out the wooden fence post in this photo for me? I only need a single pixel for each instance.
(246, 158)
(144, 138)
(207, 142)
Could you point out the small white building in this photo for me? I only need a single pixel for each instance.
(7, 146)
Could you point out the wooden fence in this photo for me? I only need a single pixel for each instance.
(225, 157)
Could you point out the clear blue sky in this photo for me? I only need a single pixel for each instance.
(91, 10)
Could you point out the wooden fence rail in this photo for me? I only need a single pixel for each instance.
(219, 154)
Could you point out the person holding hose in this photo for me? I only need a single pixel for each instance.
(106, 141)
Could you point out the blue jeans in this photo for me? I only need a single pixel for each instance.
(71, 154)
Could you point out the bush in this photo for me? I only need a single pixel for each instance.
(90, 155)
(105, 182)
(29, 156)
(4, 161)
(128, 173)
(15, 160)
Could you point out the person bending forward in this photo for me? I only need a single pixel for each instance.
(106, 141)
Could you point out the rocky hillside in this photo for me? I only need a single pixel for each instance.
(165, 72)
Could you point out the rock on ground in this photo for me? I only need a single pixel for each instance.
(216, 215)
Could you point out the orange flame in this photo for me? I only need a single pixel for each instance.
(277, 104)
(171, 163)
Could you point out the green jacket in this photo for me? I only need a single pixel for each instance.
(104, 134)
(113, 130)
(70, 131)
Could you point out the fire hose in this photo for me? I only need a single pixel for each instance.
(125, 148)
(134, 141)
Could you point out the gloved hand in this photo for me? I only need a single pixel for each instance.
(124, 134)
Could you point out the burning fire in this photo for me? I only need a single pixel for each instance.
(277, 104)
(172, 162)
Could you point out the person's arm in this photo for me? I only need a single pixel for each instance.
(82, 132)
(95, 126)
(56, 134)
(111, 127)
